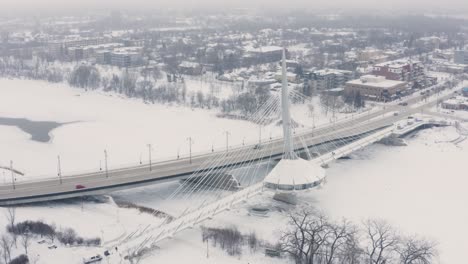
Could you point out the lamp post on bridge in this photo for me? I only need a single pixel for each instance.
(59, 169)
(149, 156)
(227, 140)
(190, 141)
(259, 134)
(105, 163)
(12, 175)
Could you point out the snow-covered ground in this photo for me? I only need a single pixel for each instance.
(108, 121)
(419, 188)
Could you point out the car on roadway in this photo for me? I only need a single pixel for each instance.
(79, 186)
(93, 259)
(396, 113)
(403, 104)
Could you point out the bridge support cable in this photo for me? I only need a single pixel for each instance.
(326, 130)
(251, 156)
(212, 163)
(336, 141)
(215, 163)
(188, 191)
(338, 129)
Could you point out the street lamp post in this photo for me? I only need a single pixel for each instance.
(59, 169)
(190, 149)
(227, 140)
(12, 175)
(105, 163)
(149, 156)
(259, 134)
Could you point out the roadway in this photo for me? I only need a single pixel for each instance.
(102, 182)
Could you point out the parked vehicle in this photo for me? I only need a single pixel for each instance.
(79, 186)
(93, 259)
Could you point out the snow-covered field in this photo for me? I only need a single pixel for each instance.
(420, 189)
(108, 121)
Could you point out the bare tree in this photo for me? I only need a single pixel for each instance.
(306, 236)
(337, 237)
(6, 244)
(351, 252)
(25, 241)
(11, 218)
(417, 251)
(382, 241)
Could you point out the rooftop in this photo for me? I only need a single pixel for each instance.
(265, 49)
(396, 63)
(375, 81)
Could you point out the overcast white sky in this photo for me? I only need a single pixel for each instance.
(70, 4)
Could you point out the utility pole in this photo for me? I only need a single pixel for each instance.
(190, 149)
(227, 140)
(259, 134)
(12, 174)
(105, 163)
(149, 156)
(59, 169)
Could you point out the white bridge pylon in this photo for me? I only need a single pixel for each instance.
(292, 173)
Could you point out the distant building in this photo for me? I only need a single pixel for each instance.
(401, 70)
(264, 54)
(465, 91)
(85, 52)
(190, 68)
(103, 57)
(292, 77)
(328, 78)
(451, 67)
(457, 103)
(61, 47)
(126, 57)
(461, 56)
(376, 87)
(370, 54)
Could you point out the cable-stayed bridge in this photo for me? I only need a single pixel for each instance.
(102, 182)
(215, 181)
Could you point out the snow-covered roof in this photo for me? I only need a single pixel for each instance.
(264, 49)
(295, 174)
(375, 81)
(397, 63)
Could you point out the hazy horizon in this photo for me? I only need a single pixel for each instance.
(52, 5)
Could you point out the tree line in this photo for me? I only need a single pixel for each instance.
(145, 83)
(312, 238)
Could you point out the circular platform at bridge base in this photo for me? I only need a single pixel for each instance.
(294, 175)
